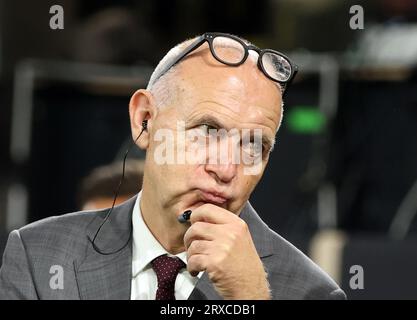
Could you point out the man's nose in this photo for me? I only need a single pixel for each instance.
(223, 173)
(221, 162)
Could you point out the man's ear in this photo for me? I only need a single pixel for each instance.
(142, 107)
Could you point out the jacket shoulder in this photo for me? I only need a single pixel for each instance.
(297, 275)
(68, 222)
(63, 236)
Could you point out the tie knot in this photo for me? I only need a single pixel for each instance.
(167, 269)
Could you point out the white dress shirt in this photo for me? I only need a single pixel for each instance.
(145, 249)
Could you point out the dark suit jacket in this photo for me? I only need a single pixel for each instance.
(62, 241)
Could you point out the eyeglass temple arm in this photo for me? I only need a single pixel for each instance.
(287, 84)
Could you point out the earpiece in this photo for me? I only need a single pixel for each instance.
(145, 125)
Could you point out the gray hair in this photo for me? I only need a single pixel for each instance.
(164, 89)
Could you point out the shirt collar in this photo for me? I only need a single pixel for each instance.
(145, 246)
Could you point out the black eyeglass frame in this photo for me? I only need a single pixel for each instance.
(210, 36)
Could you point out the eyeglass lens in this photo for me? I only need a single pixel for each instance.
(222, 48)
(275, 66)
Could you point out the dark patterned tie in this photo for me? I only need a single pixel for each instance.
(166, 269)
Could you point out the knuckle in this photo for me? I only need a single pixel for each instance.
(191, 261)
(195, 216)
(197, 226)
(242, 225)
(192, 232)
(190, 258)
(188, 238)
(226, 248)
(215, 265)
(199, 246)
(232, 236)
(195, 246)
(194, 262)
(188, 235)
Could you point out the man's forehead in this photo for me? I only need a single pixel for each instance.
(238, 87)
(229, 108)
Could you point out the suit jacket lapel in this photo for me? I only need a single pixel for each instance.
(108, 276)
(259, 230)
(261, 236)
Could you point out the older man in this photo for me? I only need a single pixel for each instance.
(147, 248)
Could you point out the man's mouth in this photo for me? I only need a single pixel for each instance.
(210, 196)
(213, 197)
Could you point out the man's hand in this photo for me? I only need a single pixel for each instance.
(219, 242)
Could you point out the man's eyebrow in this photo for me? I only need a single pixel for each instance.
(209, 120)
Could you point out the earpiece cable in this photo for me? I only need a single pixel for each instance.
(97, 249)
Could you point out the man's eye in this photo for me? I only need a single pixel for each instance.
(253, 149)
(206, 129)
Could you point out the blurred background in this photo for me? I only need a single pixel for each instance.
(342, 181)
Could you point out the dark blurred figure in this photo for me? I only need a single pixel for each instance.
(98, 188)
(114, 36)
(404, 9)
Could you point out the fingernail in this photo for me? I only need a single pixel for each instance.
(185, 216)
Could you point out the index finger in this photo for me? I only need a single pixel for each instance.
(213, 214)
